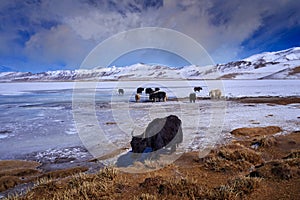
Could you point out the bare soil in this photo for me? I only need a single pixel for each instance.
(269, 100)
(296, 70)
(256, 131)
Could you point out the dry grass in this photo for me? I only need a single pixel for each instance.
(64, 172)
(256, 131)
(270, 100)
(265, 141)
(19, 172)
(17, 164)
(79, 186)
(293, 154)
(273, 147)
(146, 196)
(111, 184)
(296, 70)
(172, 187)
(14, 172)
(279, 170)
(7, 182)
(193, 189)
(236, 188)
(232, 158)
(229, 172)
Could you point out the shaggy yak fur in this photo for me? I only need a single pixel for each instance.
(139, 90)
(121, 91)
(149, 90)
(192, 97)
(157, 96)
(215, 94)
(137, 97)
(161, 132)
(197, 89)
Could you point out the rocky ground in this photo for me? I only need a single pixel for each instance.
(258, 163)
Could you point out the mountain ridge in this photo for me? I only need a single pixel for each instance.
(284, 64)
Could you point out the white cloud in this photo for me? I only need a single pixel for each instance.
(97, 26)
(59, 44)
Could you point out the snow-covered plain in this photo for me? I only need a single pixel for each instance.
(38, 117)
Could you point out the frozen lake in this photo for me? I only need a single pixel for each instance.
(236, 88)
(38, 116)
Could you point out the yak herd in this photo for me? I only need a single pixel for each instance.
(157, 95)
(161, 133)
(154, 95)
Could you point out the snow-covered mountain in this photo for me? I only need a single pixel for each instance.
(270, 65)
(283, 64)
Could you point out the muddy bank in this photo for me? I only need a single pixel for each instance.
(16, 176)
(251, 100)
(268, 100)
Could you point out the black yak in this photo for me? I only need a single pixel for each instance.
(197, 89)
(157, 96)
(149, 90)
(139, 90)
(161, 132)
(121, 91)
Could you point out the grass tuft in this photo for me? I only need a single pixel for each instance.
(265, 141)
(232, 158)
(146, 196)
(236, 188)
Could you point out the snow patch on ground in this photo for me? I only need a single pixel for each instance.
(50, 155)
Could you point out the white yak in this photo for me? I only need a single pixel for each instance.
(215, 94)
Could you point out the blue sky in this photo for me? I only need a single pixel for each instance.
(151, 56)
(41, 35)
